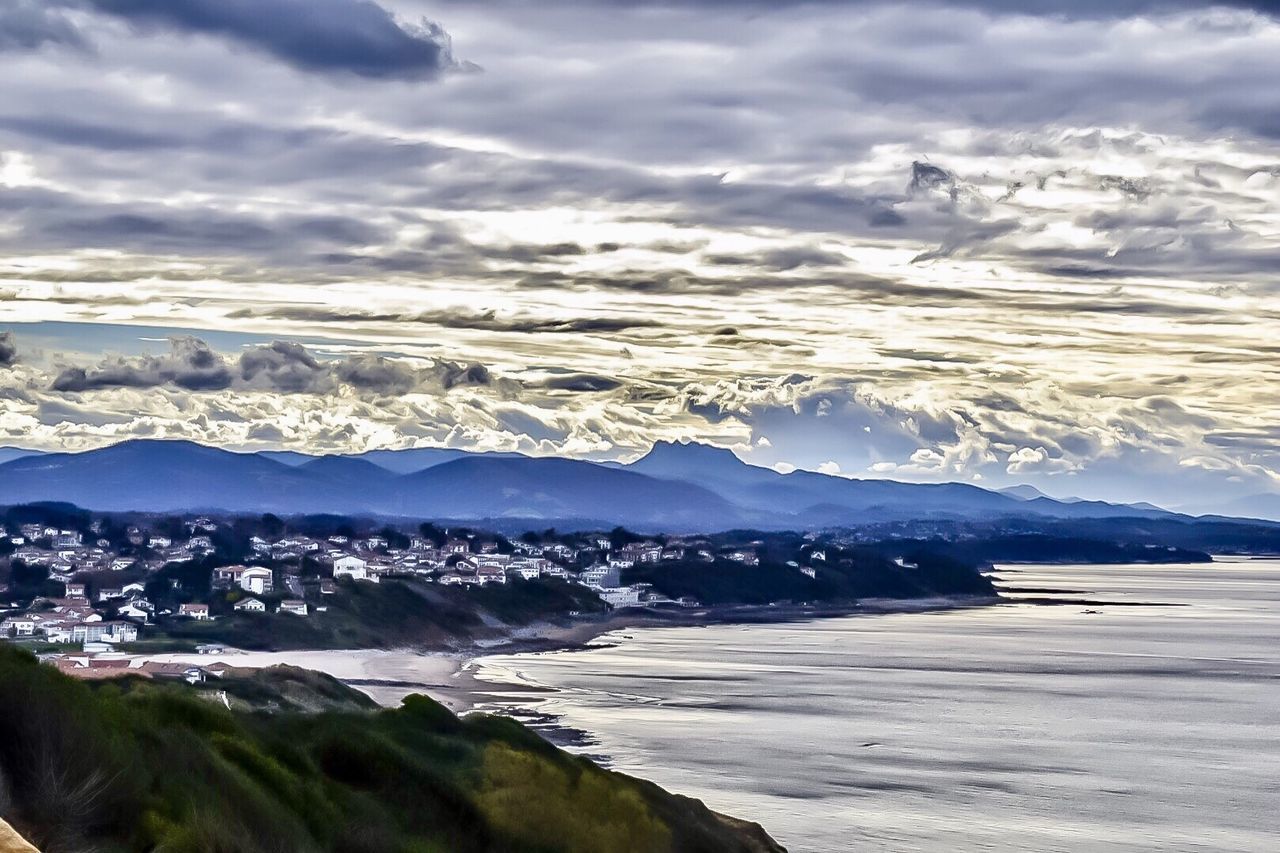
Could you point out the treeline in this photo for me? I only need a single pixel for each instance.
(1035, 548)
(844, 575)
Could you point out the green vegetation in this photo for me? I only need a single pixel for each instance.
(845, 575)
(1037, 548)
(135, 765)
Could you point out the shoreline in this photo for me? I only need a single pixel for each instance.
(450, 678)
(471, 691)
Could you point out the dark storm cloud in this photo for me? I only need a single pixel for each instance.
(375, 373)
(48, 219)
(1068, 9)
(582, 383)
(30, 24)
(190, 365)
(487, 321)
(67, 130)
(455, 375)
(926, 177)
(447, 250)
(284, 367)
(531, 253)
(8, 350)
(356, 37)
(781, 260)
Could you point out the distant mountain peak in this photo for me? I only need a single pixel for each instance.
(1025, 492)
(686, 449)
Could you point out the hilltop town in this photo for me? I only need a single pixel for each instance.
(95, 581)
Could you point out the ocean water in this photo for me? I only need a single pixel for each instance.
(1152, 724)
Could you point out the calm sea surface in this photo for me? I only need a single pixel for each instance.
(1017, 727)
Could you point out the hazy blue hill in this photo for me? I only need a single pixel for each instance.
(486, 486)
(823, 499)
(8, 454)
(288, 457)
(159, 476)
(350, 472)
(766, 489)
(411, 460)
(1092, 509)
(1024, 492)
(1264, 506)
(715, 467)
(408, 460)
(680, 486)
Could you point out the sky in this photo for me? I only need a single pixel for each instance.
(970, 240)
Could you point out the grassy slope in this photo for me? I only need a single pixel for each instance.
(140, 766)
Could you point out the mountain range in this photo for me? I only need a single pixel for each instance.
(676, 486)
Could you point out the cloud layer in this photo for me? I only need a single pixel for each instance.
(977, 240)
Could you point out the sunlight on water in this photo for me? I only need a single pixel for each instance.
(1012, 728)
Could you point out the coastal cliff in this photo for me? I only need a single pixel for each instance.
(304, 763)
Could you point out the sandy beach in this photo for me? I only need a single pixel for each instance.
(388, 675)
(385, 675)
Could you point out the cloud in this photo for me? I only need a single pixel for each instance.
(8, 350)
(583, 383)
(451, 375)
(285, 366)
(1028, 460)
(1086, 235)
(370, 372)
(1069, 9)
(488, 321)
(281, 367)
(190, 365)
(30, 24)
(48, 218)
(357, 37)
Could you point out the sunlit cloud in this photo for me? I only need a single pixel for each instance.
(957, 252)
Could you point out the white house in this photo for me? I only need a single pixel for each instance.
(18, 626)
(227, 576)
(199, 612)
(134, 610)
(491, 574)
(294, 606)
(603, 576)
(620, 596)
(352, 567)
(250, 605)
(104, 632)
(257, 580)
